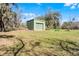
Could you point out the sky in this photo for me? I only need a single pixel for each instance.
(32, 10)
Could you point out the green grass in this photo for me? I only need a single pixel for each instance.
(51, 34)
(49, 41)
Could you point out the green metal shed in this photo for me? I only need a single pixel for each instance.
(36, 24)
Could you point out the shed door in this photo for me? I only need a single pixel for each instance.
(39, 26)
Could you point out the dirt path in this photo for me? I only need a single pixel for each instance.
(9, 43)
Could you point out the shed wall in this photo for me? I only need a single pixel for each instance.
(41, 23)
(36, 24)
(30, 24)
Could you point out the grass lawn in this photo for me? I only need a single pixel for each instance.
(50, 42)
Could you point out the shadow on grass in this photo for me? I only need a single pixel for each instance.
(70, 46)
(7, 36)
(12, 51)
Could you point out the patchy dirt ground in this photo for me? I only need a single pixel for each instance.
(39, 43)
(9, 43)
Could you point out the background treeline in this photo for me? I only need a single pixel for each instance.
(54, 21)
(72, 24)
(10, 20)
(69, 25)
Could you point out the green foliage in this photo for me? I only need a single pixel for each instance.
(52, 42)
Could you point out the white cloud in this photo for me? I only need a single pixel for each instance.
(75, 4)
(28, 16)
(39, 4)
(72, 5)
(68, 4)
(78, 6)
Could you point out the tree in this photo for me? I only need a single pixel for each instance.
(66, 25)
(52, 19)
(8, 18)
(70, 24)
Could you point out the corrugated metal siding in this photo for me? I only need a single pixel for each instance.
(30, 24)
(36, 25)
(39, 25)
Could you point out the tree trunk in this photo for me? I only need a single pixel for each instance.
(1, 26)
